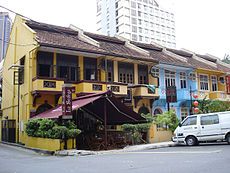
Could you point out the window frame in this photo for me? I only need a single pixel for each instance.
(183, 80)
(183, 113)
(205, 82)
(210, 121)
(187, 119)
(41, 55)
(126, 72)
(170, 78)
(214, 83)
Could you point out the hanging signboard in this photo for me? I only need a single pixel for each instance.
(67, 101)
(171, 94)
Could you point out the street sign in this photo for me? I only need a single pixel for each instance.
(171, 94)
(67, 101)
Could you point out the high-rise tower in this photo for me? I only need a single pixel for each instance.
(138, 20)
(5, 27)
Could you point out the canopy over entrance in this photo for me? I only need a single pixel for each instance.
(100, 105)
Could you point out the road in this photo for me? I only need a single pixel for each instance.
(210, 158)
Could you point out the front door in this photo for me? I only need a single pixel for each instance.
(9, 131)
(210, 128)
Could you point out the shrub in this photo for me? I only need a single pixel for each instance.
(169, 119)
(47, 128)
(136, 130)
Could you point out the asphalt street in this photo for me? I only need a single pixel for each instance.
(210, 158)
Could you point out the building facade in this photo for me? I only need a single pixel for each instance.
(137, 20)
(54, 56)
(5, 27)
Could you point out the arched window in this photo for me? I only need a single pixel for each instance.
(143, 110)
(157, 111)
(42, 108)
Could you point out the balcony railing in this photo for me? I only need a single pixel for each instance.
(220, 95)
(142, 90)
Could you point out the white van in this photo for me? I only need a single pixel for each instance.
(203, 127)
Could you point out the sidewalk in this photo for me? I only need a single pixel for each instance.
(126, 149)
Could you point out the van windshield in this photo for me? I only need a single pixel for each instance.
(189, 121)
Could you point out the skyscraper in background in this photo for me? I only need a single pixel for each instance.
(5, 27)
(137, 20)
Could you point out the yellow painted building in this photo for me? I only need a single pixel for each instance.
(43, 57)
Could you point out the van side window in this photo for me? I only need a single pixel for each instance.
(209, 119)
(190, 121)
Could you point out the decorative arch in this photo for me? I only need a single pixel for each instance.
(143, 110)
(157, 111)
(42, 108)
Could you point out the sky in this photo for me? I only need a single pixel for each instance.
(202, 26)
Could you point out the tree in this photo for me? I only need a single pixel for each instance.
(226, 59)
(206, 106)
(169, 119)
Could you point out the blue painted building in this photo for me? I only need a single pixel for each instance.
(172, 70)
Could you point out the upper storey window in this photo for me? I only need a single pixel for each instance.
(67, 67)
(44, 64)
(170, 78)
(90, 69)
(126, 72)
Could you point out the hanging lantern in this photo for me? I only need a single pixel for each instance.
(195, 103)
(196, 110)
(195, 96)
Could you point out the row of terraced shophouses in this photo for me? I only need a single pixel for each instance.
(136, 73)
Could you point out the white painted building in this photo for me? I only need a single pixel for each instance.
(5, 27)
(137, 20)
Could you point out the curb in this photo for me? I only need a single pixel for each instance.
(46, 152)
(88, 152)
(126, 149)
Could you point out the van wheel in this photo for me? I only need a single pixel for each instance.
(228, 138)
(191, 141)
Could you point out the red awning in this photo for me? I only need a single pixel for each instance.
(117, 112)
(57, 111)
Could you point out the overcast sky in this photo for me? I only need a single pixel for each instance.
(201, 25)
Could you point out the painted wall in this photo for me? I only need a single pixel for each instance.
(221, 87)
(20, 35)
(158, 135)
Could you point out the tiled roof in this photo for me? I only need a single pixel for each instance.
(66, 38)
(147, 46)
(193, 62)
(61, 37)
(157, 54)
(206, 57)
(223, 68)
(118, 47)
(215, 60)
(201, 65)
(180, 52)
(51, 28)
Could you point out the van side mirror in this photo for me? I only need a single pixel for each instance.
(179, 124)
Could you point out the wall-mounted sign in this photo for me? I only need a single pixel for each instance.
(66, 101)
(49, 84)
(97, 87)
(171, 94)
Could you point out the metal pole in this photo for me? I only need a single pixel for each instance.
(190, 91)
(18, 111)
(105, 123)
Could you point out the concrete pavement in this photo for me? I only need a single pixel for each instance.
(75, 152)
(126, 149)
